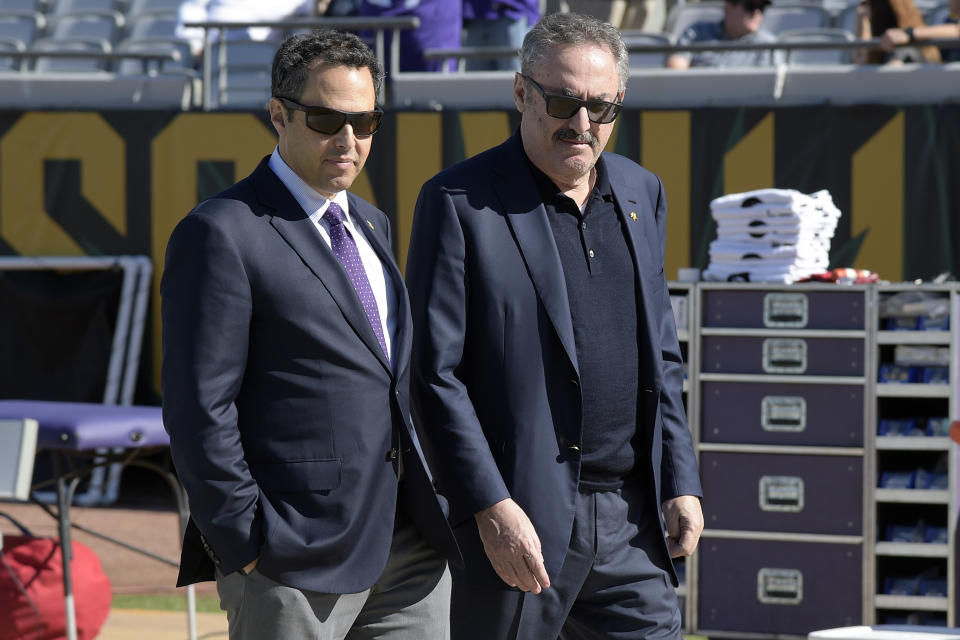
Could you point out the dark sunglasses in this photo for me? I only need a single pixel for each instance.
(328, 121)
(564, 107)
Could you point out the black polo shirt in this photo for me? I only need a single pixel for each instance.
(599, 271)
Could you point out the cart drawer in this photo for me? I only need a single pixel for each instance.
(783, 356)
(783, 493)
(782, 414)
(778, 587)
(839, 310)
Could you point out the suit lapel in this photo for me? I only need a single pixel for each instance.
(404, 335)
(638, 219)
(527, 217)
(298, 230)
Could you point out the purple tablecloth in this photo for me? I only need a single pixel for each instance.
(77, 426)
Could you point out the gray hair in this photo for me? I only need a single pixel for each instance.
(572, 29)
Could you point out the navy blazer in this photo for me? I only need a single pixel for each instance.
(495, 377)
(284, 415)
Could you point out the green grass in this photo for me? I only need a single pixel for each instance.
(164, 602)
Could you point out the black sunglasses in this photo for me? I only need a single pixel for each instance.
(564, 107)
(328, 121)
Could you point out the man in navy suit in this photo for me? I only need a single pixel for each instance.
(546, 366)
(286, 351)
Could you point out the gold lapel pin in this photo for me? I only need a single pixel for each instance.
(370, 224)
(633, 214)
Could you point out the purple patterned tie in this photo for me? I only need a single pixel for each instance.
(346, 251)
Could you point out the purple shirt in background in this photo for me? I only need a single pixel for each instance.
(441, 22)
(495, 9)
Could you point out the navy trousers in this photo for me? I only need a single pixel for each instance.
(613, 584)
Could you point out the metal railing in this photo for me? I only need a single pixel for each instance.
(489, 53)
(145, 57)
(215, 32)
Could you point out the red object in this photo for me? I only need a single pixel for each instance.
(844, 275)
(955, 431)
(37, 565)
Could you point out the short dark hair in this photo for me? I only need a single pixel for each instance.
(572, 29)
(288, 77)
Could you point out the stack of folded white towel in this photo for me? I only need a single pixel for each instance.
(771, 235)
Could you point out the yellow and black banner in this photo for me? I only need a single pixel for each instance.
(116, 182)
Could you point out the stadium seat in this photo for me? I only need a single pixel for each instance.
(104, 25)
(138, 7)
(245, 77)
(155, 45)
(937, 15)
(93, 45)
(846, 19)
(10, 44)
(152, 25)
(29, 6)
(83, 6)
(682, 16)
(836, 6)
(21, 25)
(784, 17)
(646, 38)
(817, 56)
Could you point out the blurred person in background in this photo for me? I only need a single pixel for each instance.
(639, 15)
(441, 25)
(237, 11)
(741, 24)
(876, 17)
(642, 15)
(338, 8)
(497, 23)
(949, 28)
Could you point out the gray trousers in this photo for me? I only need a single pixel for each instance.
(410, 601)
(611, 586)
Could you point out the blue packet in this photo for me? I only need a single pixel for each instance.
(935, 535)
(900, 427)
(905, 533)
(901, 586)
(897, 480)
(938, 427)
(936, 375)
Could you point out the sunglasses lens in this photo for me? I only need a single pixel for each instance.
(328, 121)
(365, 124)
(562, 107)
(605, 113)
(325, 121)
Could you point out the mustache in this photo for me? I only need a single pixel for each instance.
(585, 137)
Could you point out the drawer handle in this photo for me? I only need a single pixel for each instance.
(785, 310)
(780, 586)
(783, 413)
(784, 355)
(781, 493)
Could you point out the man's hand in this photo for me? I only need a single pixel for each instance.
(253, 565)
(893, 37)
(684, 520)
(512, 545)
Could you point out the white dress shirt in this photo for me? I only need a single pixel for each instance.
(315, 205)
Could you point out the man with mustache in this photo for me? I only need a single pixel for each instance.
(547, 374)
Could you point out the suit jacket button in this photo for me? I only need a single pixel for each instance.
(393, 454)
(574, 448)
